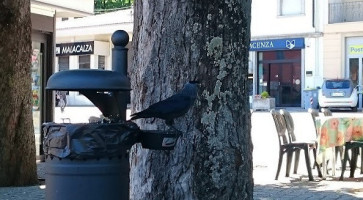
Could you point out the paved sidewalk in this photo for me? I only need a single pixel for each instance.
(296, 187)
(299, 187)
(265, 157)
(25, 193)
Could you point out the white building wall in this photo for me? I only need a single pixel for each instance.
(102, 48)
(313, 62)
(335, 55)
(309, 58)
(97, 26)
(109, 58)
(73, 62)
(266, 23)
(93, 63)
(65, 8)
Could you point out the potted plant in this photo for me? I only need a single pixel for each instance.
(265, 95)
(263, 102)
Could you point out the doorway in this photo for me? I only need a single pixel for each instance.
(355, 71)
(285, 84)
(37, 79)
(279, 73)
(41, 69)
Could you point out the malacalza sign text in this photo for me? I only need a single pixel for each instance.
(77, 48)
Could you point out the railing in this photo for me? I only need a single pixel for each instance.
(345, 12)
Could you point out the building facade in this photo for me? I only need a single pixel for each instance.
(286, 44)
(85, 43)
(343, 41)
(43, 17)
(295, 45)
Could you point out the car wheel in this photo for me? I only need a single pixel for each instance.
(354, 109)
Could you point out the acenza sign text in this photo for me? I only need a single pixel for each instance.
(74, 49)
(259, 45)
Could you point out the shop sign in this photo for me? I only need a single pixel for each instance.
(356, 49)
(77, 48)
(277, 44)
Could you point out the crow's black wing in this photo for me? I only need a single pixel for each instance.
(171, 107)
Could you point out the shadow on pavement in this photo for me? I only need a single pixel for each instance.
(300, 191)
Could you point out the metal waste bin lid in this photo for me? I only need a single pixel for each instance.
(92, 79)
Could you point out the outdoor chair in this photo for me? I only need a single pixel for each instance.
(288, 147)
(314, 114)
(300, 145)
(326, 112)
(354, 147)
(285, 147)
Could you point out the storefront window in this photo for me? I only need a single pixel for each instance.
(36, 59)
(292, 7)
(63, 62)
(101, 62)
(262, 84)
(353, 70)
(84, 62)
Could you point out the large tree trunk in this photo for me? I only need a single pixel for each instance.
(17, 143)
(178, 41)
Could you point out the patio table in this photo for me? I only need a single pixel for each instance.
(336, 131)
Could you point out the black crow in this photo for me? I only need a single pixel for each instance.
(172, 107)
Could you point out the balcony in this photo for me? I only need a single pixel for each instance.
(345, 12)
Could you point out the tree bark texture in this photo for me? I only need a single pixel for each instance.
(17, 143)
(179, 41)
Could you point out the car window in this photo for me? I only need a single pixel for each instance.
(338, 84)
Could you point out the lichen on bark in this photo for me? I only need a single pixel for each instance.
(213, 157)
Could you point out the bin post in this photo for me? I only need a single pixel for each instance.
(119, 53)
(120, 39)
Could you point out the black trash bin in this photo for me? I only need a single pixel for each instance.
(88, 161)
(87, 179)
